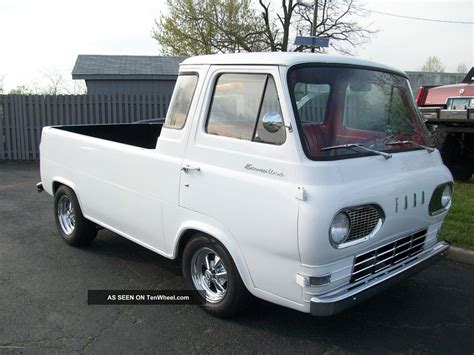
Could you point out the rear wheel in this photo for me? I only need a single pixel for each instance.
(73, 227)
(209, 269)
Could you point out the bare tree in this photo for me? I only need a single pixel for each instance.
(2, 78)
(54, 83)
(78, 88)
(462, 68)
(277, 26)
(433, 65)
(337, 20)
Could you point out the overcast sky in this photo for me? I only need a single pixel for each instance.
(44, 36)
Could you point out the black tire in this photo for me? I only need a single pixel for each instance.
(236, 297)
(451, 150)
(461, 173)
(81, 231)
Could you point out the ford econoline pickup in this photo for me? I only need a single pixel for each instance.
(305, 180)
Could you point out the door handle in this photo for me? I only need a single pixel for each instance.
(188, 168)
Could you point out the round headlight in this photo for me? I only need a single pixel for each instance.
(340, 228)
(446, 196)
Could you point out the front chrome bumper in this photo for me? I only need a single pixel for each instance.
(345, 297)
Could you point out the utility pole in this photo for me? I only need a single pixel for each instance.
(315, 20)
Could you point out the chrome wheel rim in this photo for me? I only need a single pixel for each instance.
(209, 275)
(66, 217)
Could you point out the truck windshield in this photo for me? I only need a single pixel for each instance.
(341, 105)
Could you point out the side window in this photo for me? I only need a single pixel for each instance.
(181, 101)
(270, 104)
(238, 105)
(235, 105)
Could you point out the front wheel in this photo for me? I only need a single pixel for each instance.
(73, 227)
(209, 269)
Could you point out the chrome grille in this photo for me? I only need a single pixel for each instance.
(363, 219)
(389, 254)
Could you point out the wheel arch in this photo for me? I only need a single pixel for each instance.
(188, 231)
(56, 182)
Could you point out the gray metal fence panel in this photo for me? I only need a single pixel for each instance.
(2, 136)
(22, 117)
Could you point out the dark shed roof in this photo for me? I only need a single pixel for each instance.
(126, 67)
(469, 79)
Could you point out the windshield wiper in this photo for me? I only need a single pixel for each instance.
(429, 149)
(360, 146)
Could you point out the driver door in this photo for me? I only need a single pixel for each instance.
(241, 175)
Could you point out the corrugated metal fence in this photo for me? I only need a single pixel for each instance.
(23, 116)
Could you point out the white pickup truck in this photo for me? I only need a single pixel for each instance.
(305, 180)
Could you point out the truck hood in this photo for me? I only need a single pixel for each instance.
(332, 186)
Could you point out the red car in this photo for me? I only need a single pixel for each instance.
(449, 114)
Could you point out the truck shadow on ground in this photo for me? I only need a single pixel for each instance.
(112, 245)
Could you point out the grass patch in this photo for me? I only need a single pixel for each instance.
(458, 227)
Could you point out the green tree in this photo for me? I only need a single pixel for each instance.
(195, 27)
(433, 65)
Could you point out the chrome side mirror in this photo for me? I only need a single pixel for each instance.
(272, 122)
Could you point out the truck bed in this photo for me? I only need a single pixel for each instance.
(144, 135)
(438, 115)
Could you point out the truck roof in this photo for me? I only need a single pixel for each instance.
(283, 59)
